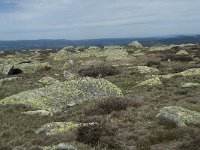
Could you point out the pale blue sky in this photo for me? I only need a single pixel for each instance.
(88, 19)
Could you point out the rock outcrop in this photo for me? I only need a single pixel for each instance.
(178, 116)
(151, 82)
(48, 80)
(68, 93)
(135, 44)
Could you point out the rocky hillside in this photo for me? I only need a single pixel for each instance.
(116, 97)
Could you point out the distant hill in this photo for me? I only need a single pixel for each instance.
(59, 43)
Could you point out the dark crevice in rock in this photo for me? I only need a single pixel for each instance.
(14, 71)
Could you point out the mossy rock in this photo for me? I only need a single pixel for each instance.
(151, 82)
(63, 54)
(48, 80)
(116, 54)
(57, 128)
(161, 48)
(178, 116)
(182, 52)
(8, 79)
(145, 69)
(34, 67)
(189, 84)
(38, 112)
(61, 146)
(68, 93)
(6, 64)
(190, 72)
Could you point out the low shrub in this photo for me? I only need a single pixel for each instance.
(177, 58)
(96, 134)
(90, 134)
(111, 104)
(153, 63)
(98, 71)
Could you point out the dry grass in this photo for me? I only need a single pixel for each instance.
(108, 105)
(98, 71)
(124, 123)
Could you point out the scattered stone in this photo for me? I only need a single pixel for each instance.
(48, 81)
(92, 62)
(115, 54)
(68, 75)
(135, 44)
(38, 112)
(182, 52)
(57, 96)
(187, 85)
(68, 64)
(178, 116)
(161, 48)
(145, 69)
(92, 51)
(190, 72)
(8, 79)
(151, 82)
(29, 68)
(63, 54)
(57, 128)
(61, 146)
(138, 53)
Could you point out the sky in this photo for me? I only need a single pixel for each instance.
(92, 19)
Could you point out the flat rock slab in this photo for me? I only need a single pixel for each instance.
(38, 112)
(48, 81)
(61, 146)
(55, 128)
(178, 116)
(188, 85)
(68, 93)
(151, 82)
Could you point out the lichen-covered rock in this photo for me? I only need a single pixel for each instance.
(92, 62)
(182, 52)
(48, 81)
(90, 52)
(151, 82)
(178, 116)
(57, 128)
(161, 48)
(29, 68)
(38, 112)
(145, 69)
(57, 96)
(188, 85)
(138, 53)
(61, 146)
(63, 54)
(190, 72)
(7, 65)
(115, 53)
(5, 68)
(68, 64)
(8, 79)
(135, 44)
(69, 76)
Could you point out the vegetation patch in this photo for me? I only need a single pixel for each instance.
(108, 105)
(98, 71)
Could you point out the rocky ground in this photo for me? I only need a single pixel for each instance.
(121, 98)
